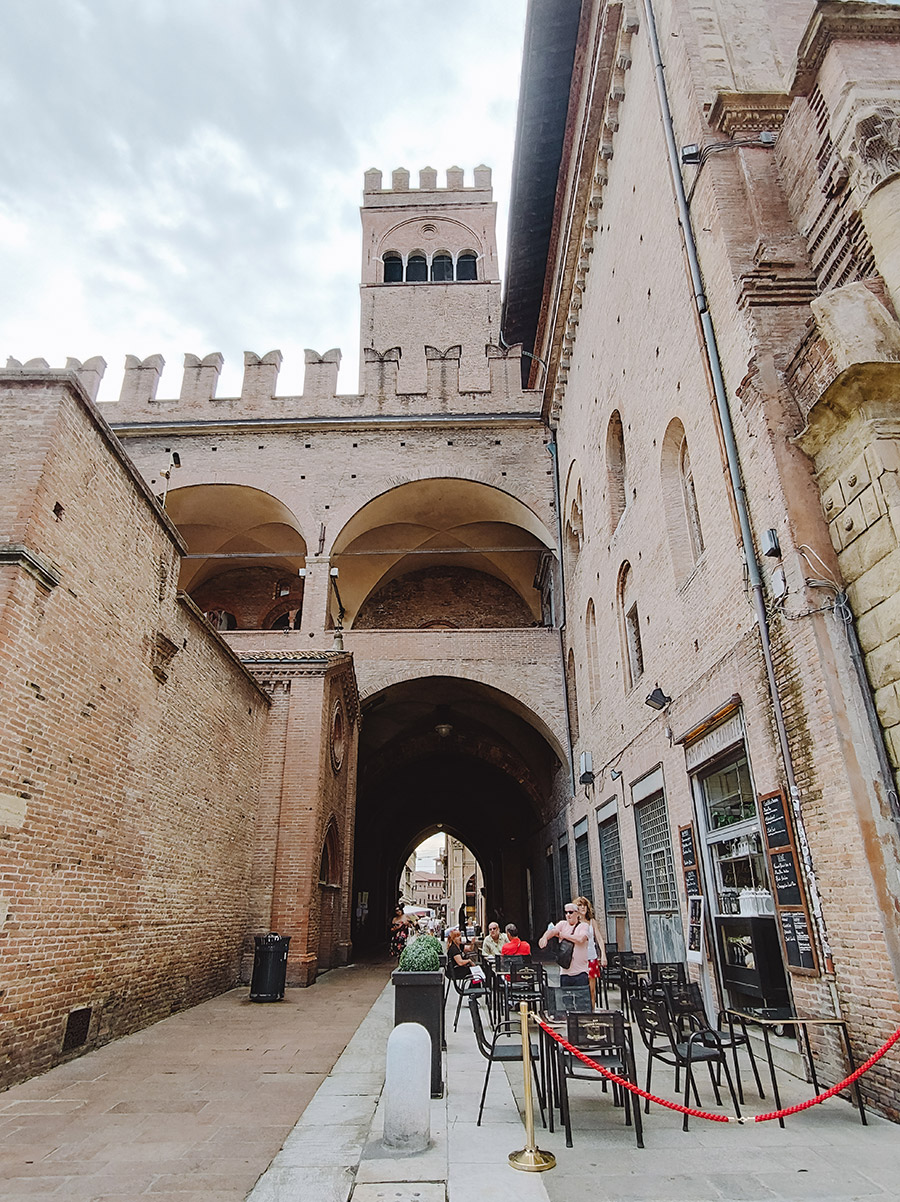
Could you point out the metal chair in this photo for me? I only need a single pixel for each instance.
(525, 983)
(662, 1043)
(503, 1051)
(668, 972)
(688, 1013)
(461, 980)
(605, 1038)
(631, 964)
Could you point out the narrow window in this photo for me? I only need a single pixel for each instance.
(416, 270)
(393, 268)
(616, 470)
(633, 638)
(572, 688)
(467, 266)
(441, 268)
(692, 514)
(593, 664)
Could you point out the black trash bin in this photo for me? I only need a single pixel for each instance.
(269, 968)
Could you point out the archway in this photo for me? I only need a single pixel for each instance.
(444, 753)
(245, 550)
(472, 546)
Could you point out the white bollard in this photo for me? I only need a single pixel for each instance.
(407, 1089)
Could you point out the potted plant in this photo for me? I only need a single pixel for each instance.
(419, 997)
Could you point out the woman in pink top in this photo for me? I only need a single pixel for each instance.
(577, 933)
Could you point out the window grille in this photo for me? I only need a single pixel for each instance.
(611, 867)
(657, 867)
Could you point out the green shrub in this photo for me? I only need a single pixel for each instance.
(433, 941)
(420, 955)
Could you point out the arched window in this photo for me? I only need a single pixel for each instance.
(393, 268)
(441, 268)
(575, 525)
(680, 501)
(590, 633)
(416, 269)
(630, 625)
(467, 266)
(692, 514)
(616, 469)
(572, 690)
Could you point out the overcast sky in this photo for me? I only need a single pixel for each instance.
(185, 175)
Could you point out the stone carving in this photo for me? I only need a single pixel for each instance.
(875, 147)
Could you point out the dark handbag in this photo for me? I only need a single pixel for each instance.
(564, 952)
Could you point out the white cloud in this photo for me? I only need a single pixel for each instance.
(185, 175)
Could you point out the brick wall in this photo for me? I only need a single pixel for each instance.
(129, 749)
(454, 596)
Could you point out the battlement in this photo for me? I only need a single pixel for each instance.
(428, 192)
(196, 399)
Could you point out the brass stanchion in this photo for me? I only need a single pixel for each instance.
(531, 1159)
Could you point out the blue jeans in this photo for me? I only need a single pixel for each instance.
(580, 978)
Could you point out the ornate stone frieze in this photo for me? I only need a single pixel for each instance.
(742, 113)
(874, 147)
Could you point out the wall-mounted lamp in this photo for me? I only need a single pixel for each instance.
(657, 700)
(174, 461)
(586, 768)
(615, 774)
(443, 727)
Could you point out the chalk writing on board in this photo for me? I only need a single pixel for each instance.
(692, 882)
(787, 886)
(775, 821)
(797, 943)
(688, 850)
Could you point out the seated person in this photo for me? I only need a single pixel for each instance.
(514, 946)
(456, 957)
(493, 943)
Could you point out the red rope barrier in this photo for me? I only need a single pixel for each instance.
(722, 1118)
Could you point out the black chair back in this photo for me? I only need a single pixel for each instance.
(686, 1004)
(603, 1032)
(508, 963)
(634, 960)
(668, 972)
(652, 1018)
(525, 974)
(559, 1000)
(483, 1044)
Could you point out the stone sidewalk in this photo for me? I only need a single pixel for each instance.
(192, 1109)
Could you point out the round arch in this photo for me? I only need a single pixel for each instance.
(245, 550)
(439, 521)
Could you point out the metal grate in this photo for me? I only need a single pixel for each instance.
(583, 868)
(611, 867)
(657, 867)
(565, 876)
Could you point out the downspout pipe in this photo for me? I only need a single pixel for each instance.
(559, 616)
(734, 470)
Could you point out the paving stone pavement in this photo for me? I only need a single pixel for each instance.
(204, 1107)
(192, 1109)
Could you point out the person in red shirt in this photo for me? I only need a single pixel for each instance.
(514, 946)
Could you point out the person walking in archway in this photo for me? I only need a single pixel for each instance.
(399, 932)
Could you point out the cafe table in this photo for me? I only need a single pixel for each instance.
(772, 1017)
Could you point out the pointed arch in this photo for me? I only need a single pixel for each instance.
(680, 501)
(616, 469)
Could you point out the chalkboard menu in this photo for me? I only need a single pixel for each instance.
(784, 874)
(689, 868)
(789, 894)
(797, 943)
(775, 821)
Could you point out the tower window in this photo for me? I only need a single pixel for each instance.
(466, 266)
(441, 268)
(393, 268)
(416, 269)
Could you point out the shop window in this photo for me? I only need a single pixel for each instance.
(416, 269)
(734, 837)
(441, 268)
(393, 268)
(467, 266)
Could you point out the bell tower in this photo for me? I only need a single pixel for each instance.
(430, 275)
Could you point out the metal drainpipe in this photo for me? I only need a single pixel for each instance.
(734, 472)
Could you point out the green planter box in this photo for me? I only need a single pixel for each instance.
(419, 998)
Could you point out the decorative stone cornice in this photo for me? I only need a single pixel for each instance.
(841, 20)
(35, 565)
(735, 113)
(874, 148)
(269, 667)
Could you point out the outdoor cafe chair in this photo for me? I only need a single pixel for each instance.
(688, 1013)
(663, 1043)
(605, 1038)
(524, 983)
(461, 980)
(503, 1048)
(668, 972)
(633, 965)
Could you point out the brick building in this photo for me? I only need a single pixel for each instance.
(618, 614)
